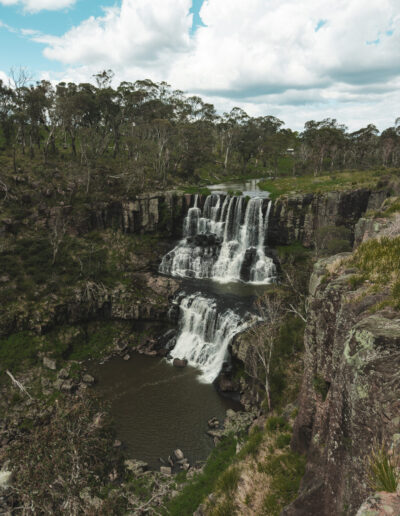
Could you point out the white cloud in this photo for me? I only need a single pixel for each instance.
(40, 5)
(4, 77)
(266, 56)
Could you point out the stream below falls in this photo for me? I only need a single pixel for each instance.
(224, 262)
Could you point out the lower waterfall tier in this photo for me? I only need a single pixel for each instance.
(205, 333)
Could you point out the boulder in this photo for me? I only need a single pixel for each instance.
(50, 363)
(179, 454)
(63, 374)
(136, 466)
(213, 423)
(88, 379)
(180, 362)
(165, 470)
(5, 479)
(380, 504)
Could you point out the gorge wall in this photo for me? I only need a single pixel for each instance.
(297, 217)
(350, 396)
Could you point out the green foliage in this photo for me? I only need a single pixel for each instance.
(289, 343)
(252, 444)
(96, 343)
(64, 445)
(286, 471)
(140, 487)
(378, 261)
(356, 280)
(224, 508)
(275, 423)
(383, 470)
(201, 190)
(321, 386)
(19, 350)
(331, 240)
(200, 486)
(296, 252)
(341, 180)
(283, 440)
(228, 480)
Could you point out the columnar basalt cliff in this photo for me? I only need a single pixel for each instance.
(146, 213)
(298, 217)
(350, 395)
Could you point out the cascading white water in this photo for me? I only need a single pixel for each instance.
(225, 241)
(204, 334)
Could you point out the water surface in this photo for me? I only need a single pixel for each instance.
(158, 408)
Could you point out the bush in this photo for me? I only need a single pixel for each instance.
(18, 350)
(228, 481)
(283, 440)
(332, 240)
(275, 423)
(253, 443)
(383, 474)
(321, 386)
(286, 471)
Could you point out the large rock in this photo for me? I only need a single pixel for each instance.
(50, 363)
(5, 479)
(180, 362)
(381, 504)
(137, 467)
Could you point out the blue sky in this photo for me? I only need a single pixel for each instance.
(296, 60)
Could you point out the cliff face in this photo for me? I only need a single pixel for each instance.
(350, 394)
(298, 217)
(147, 213)
(161, 212)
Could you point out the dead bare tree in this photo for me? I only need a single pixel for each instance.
(58, 228)
(263, 337)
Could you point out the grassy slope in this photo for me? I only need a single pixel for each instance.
(346, 180)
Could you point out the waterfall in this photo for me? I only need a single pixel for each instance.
(205, 333)
(224, 241)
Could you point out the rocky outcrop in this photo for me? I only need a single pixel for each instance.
(298, 217)
(161, 212)
(149, 300)
(381, 504)
(350, 396)
(146, 213)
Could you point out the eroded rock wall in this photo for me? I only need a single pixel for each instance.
(350, 394)
(298, 217)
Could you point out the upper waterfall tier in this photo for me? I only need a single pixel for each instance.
(224, 241)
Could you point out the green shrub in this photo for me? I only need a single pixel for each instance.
(18, 350)
(383, 474)
(321, 386)
(228, 480)
(356, 280)
(283, 440)
(224, 508)
(275, 423)
(286, 471)
(253, 443)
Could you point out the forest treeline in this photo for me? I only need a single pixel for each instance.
(149, 134)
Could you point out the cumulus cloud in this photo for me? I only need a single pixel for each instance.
(139, 33)
(40, 5)
(287, 57)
